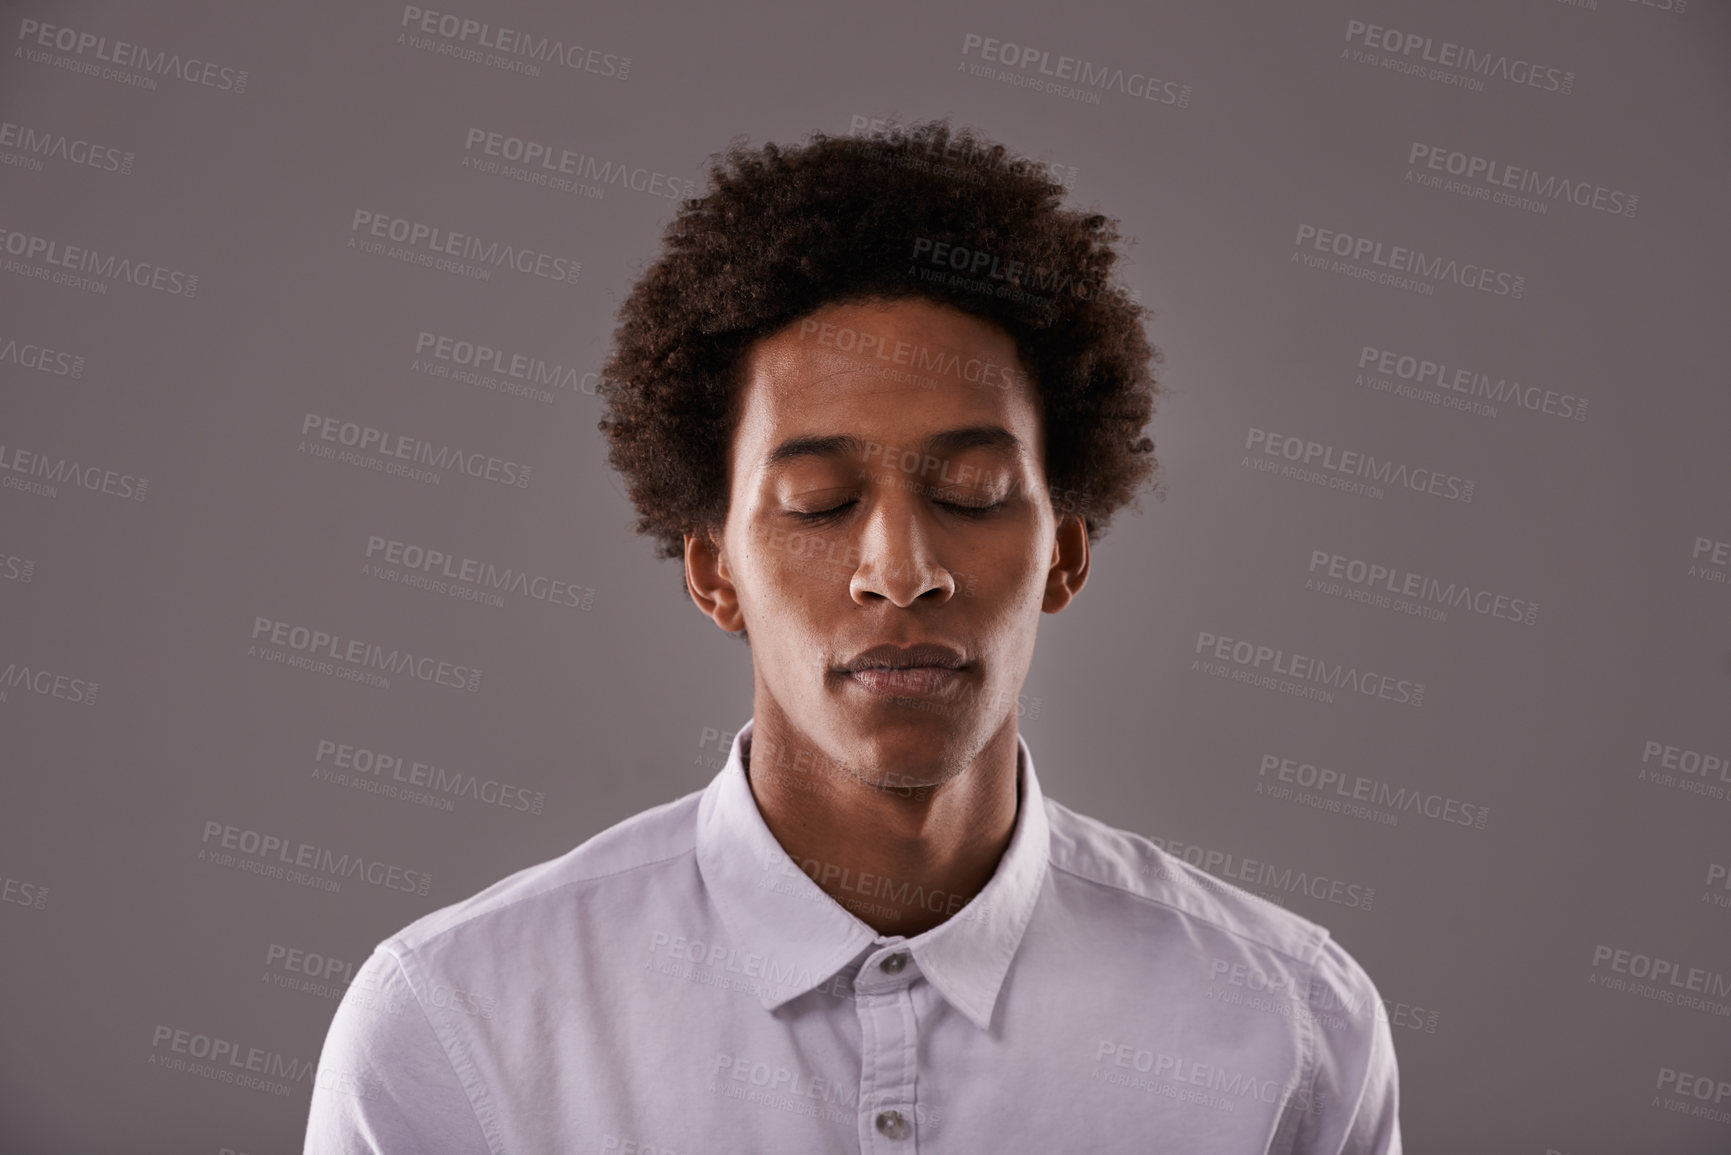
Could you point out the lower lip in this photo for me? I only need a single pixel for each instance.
(912, 682)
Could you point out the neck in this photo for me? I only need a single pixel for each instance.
(902, 859)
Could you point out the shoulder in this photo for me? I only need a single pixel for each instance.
(1256, 942)
(1145, 874)
(550, 892)
(1248, 952)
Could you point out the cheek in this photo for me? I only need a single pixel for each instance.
(1013, 571)
(788, 575)
(798, 562)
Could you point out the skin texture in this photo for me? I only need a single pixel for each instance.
(868, 791)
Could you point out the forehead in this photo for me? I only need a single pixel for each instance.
(898, 371)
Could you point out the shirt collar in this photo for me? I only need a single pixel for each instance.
(773, 908)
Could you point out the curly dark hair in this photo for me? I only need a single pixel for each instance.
(782, 231)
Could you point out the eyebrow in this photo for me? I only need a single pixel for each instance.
(993, 437)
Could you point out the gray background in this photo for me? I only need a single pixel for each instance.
(1485, 942)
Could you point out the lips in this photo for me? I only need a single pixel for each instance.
(888, 656)
(907, 682)
(923, 670)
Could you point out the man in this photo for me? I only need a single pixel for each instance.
(880, 396)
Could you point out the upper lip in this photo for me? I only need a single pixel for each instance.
(893, 657)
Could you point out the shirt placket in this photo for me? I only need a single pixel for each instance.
(888, 1052)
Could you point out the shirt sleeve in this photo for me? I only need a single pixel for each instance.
(1354, 1103)
(384, 1083)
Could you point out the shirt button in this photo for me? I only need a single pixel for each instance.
(893, 966)
(892, 1124)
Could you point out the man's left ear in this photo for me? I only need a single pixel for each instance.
(1069, 569)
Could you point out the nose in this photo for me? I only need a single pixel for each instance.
(897, 562)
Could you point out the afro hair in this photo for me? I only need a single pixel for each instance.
(782, 231)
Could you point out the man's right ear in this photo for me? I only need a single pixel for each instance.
(710, 583)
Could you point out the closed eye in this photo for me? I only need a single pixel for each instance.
(823, 515)
(970, 510)
(960, 509)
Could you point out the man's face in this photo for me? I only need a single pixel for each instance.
(887, 486)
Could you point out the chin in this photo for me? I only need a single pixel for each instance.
(914, 713)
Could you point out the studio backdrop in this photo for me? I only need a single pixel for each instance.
(320, 607)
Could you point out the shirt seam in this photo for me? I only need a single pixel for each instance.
(539, 894)
(1318, 934)
(1291, 1122)
(466, 1076)
(474, 1087)
(1377, 1029)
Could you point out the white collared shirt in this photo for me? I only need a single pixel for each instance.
(677, 985)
